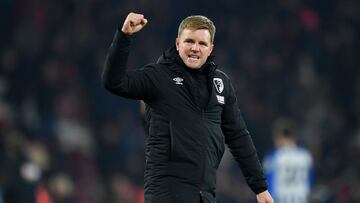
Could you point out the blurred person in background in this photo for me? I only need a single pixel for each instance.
(22, 165)
(288, 167)
(193, 113)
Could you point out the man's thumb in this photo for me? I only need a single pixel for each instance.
(144, 21)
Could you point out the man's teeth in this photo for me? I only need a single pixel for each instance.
(194, 57)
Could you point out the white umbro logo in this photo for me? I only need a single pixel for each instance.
(178, 80)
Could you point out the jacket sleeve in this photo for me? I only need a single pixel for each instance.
(136, 84)
(241, 146)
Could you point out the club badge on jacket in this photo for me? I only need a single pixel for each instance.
(219, 85)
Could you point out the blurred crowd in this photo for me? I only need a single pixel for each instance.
(64, 139)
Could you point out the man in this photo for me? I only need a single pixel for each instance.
(192, 112)
(288, 167)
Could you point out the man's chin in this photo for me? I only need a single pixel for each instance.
(193, 66)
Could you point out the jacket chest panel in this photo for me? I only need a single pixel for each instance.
(181, 88)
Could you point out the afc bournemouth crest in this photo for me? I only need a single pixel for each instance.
(219, 85)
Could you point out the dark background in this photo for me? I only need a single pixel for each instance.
(64, 139)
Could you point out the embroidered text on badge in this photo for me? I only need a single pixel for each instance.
(220, 99)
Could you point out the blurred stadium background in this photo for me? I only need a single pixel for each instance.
(64, 139)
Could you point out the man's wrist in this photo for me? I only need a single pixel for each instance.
(122, 39)
(120, 29)
(260, 189)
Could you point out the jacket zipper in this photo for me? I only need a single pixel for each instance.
(202, 110)
(204, 164)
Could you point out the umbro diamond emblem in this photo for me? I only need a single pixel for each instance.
(178, 80)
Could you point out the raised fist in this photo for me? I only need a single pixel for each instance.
(133, 23)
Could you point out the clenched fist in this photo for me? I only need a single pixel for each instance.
(133, 23)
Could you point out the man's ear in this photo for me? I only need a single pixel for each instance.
(177, 42)
(211, 48)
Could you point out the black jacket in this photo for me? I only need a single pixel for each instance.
(185, 142)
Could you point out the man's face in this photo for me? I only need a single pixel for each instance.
(194, 47)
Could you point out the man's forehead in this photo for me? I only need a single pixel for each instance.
(189, 29)
(200, 32)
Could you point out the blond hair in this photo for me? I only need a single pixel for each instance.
(197, 22)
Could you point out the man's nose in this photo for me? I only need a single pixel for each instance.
(195, 47)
